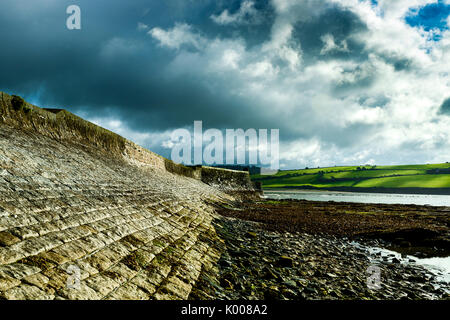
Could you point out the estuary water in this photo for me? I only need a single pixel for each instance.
(360, 197)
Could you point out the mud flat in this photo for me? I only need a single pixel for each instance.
(299, 250)
(413, 229)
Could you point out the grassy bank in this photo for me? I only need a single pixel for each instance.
(406, 176)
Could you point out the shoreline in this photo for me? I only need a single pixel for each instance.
(308, 250)
(413, 229)
(424, 191)
(259, 264)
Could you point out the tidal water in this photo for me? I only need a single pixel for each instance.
(439, 266)
(359, 197)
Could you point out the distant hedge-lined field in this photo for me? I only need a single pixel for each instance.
(405, 176)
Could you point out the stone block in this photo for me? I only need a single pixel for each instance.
(102, 284)
(27, 292)
(7, 239)
(129, 291)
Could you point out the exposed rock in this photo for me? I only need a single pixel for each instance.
(330, 268)
(284, 261)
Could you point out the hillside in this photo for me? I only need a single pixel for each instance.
(405, 177)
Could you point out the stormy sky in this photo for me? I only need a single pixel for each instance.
(345, 81)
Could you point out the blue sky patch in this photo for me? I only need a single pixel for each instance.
(432, 16)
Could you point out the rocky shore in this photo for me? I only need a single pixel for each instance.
(261, 264)
(422, 231)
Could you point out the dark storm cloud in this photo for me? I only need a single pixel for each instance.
(314, 83)
(255, 30)
(399, 63)
(338, 22)
(360, 79)
(110, 69)
(373, 101)
(445, 107)
(97, 71)
(341, 27)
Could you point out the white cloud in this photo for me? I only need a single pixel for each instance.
(261, 69)
(246, 14)
(399, 8)
(180, 34)
(352, 112)
(329, 45)
(142, 26)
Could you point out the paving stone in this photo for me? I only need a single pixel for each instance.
(19, 270)
(102, 284)
(72, 250)
(84, 292)
(7, 282)
(55, 257)
(128, 291)
(9, 255)
(27, 292)
(141, 280)
(37, 279)
(7, 239)
(99, 261)
(120, 273)
(177, 287)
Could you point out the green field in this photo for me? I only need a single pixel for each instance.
(405, 176)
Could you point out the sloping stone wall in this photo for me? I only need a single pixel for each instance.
(98, 204)
(67, 127)
(229, 180)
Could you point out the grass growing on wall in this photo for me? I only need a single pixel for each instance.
(57, 123)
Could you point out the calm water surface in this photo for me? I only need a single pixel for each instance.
(359, 197)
